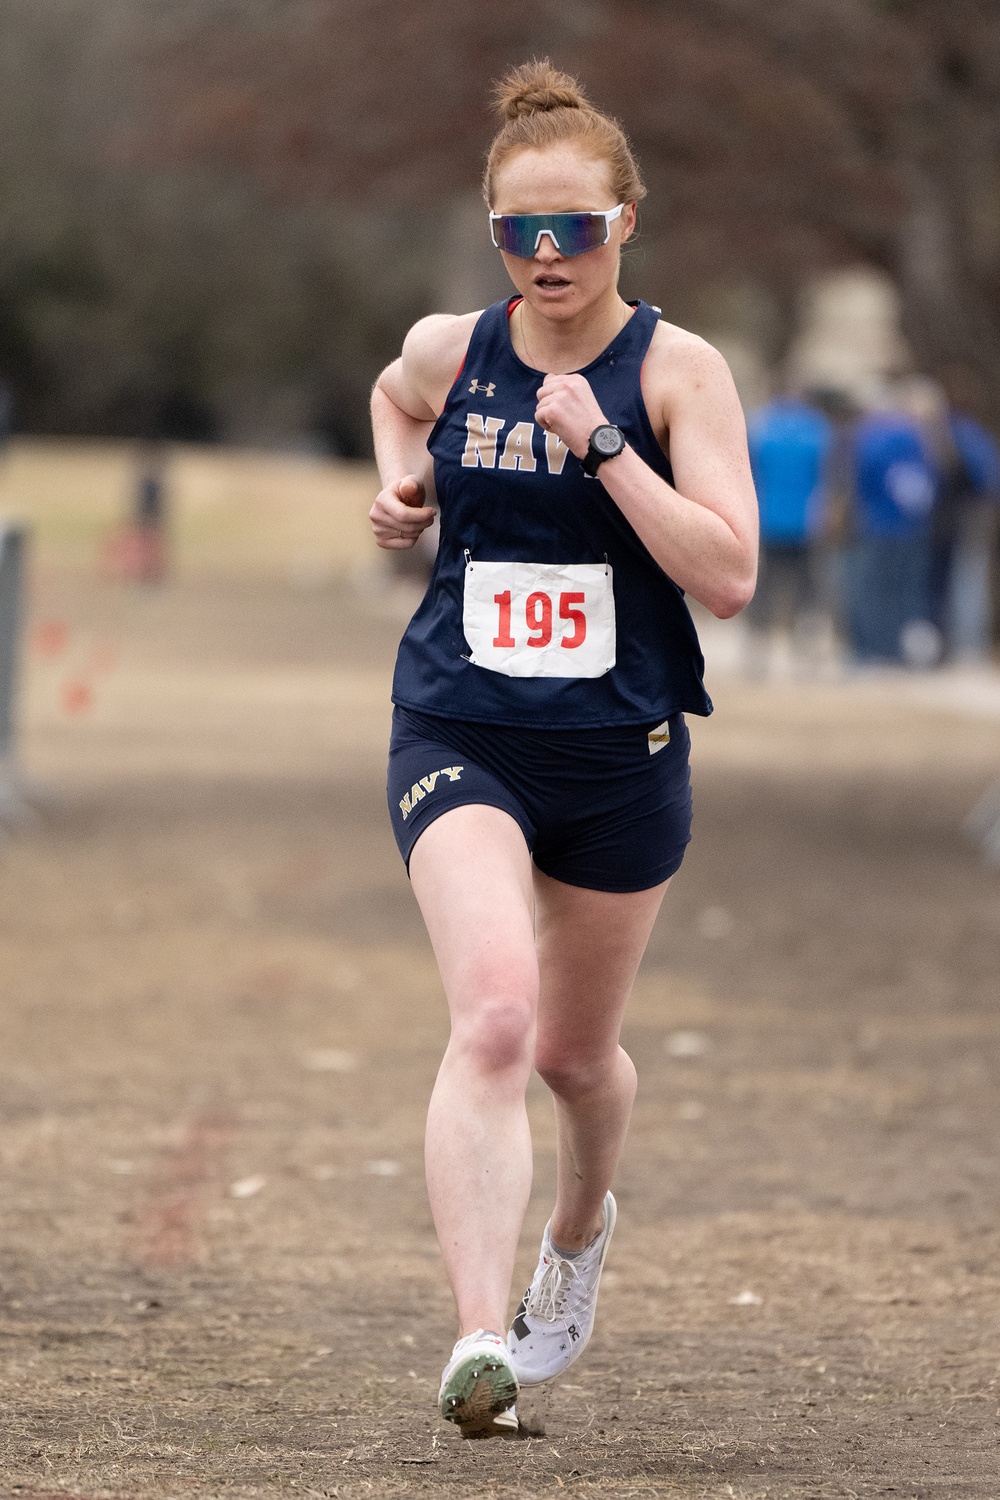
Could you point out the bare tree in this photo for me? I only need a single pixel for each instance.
(263, 190)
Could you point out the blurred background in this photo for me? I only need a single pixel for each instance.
(220, 218)
(219, 1014)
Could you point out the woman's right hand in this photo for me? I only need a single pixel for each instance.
(399, 514)
(407, 401)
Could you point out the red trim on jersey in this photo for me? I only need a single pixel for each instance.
(514, 303)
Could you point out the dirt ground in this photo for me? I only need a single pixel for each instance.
(221, 1022)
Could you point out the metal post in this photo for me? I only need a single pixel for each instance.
(13, 548)
(12, 540)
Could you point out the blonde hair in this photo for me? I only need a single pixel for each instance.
(538, 107)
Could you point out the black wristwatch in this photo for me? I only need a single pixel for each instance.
(605, 442)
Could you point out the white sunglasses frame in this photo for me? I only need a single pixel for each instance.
(607, 214)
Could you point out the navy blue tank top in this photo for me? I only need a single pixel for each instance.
(573, 624)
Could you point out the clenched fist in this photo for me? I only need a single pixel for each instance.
(399, 514)
(568, 407)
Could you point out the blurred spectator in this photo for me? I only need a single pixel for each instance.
(151, 512)
(962, 537)
(137, 550)
(791, 443)
(886, 566)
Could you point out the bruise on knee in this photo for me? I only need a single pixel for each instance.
(497, 1035)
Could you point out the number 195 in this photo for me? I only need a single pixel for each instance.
(538, 610)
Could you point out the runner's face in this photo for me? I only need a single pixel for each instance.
(559, 179)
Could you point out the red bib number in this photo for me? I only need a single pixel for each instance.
(540, 619)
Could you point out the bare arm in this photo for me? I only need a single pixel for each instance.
(703, 533)
(399, 514)
(406, 401)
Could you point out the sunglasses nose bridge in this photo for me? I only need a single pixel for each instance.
(553, 246)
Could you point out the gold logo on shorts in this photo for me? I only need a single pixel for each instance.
(420, 789)
(659, 737)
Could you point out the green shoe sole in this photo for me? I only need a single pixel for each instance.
(476, 1391)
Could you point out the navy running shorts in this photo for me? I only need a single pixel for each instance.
(608, 809)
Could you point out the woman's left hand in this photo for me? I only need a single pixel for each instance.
(568, 407)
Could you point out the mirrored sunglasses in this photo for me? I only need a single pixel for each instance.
(572, 234)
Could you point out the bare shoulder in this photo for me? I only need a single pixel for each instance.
(433, 352)
(681, 364)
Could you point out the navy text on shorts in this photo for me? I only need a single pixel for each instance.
(608, 809)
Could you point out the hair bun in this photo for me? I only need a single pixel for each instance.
(535, 88)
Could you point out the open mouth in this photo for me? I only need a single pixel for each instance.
(551, 283)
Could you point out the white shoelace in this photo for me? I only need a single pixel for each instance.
(548, 1299)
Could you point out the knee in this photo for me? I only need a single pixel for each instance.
(497, 1033)
(498, 1038)
(572, 1074)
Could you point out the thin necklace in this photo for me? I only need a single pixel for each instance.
(524, 341)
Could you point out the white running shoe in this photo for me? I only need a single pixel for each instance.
(553, 1324)
(479, 1387)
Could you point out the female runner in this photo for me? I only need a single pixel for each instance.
(590, 466)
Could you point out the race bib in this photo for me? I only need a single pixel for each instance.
(540, 619)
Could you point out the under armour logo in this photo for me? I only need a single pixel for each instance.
(478, 386)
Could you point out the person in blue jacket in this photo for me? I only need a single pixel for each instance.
(589, 463)
(791, 442)
(962, 537)
(895, 476)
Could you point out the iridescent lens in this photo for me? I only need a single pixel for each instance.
(572, 234)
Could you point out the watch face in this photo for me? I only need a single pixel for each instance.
(607, 440)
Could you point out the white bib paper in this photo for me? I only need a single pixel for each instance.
(540, 619)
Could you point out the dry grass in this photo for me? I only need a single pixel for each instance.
(214, 976)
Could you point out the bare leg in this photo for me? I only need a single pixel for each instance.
(471, 874)
(590, 944)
